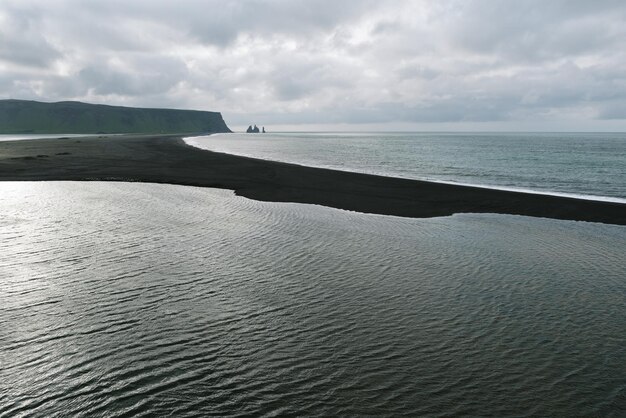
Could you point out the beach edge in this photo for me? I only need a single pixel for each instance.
(169, 159)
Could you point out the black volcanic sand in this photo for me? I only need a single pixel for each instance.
(167, 159)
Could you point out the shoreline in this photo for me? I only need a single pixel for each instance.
(168, 159)
(593, 198)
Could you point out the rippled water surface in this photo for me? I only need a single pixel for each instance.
(23, 137)
(140, 300)
(591, 165)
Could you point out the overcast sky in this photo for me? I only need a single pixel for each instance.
(329, 64)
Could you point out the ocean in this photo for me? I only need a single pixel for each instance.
(583, 165)
(127, 299)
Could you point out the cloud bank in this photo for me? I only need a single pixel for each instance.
(313, 62)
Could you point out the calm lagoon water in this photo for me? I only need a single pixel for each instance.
(23, 137)
(591, 165)
(142, 300)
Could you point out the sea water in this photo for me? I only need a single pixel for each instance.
(585, 165)
(150, 300)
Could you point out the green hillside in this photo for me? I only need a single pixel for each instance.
(30, 117)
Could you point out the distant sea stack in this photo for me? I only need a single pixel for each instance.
(254, 130)
(31, 117)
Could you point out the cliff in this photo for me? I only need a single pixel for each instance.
(30, 117)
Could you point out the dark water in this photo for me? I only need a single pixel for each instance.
(142, 300)
(591, 165)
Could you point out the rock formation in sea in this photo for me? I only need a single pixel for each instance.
(252, 130)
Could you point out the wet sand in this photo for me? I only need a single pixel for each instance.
(167, 159)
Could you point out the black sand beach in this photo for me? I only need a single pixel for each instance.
(167, 159)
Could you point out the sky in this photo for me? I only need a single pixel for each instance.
(329, 64)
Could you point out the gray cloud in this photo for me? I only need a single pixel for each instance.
(138, 76)
(22, 43)
(322, 61)
(535, 30)
(613, 110)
